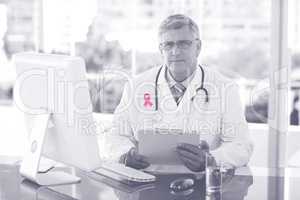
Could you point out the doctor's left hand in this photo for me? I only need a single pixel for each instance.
(133, 159)
(193, 157)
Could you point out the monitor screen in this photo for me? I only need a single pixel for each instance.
(56, 85)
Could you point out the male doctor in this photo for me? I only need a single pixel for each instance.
(183, 95)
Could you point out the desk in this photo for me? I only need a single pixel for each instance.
(245, 184)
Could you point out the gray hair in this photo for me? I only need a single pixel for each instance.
(176, 22)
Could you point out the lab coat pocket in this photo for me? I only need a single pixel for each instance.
(205, 123)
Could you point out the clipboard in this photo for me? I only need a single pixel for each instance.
(159, 145)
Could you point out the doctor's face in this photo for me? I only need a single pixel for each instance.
(180, 50)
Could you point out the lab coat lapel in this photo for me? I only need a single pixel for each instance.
(166, 100)
(191, 90)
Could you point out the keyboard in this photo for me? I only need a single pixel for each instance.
(121, 172)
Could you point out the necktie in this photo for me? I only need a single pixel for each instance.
(178, 91)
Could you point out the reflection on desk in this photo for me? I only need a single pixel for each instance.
(9, 182)
(13, 186)
(31, 190)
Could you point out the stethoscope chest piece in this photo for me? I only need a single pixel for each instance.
(200, 96)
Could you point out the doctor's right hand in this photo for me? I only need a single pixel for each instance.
(133, 159)
(193, 157)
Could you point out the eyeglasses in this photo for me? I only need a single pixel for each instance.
(181, 44)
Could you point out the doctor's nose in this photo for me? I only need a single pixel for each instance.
(175, 50)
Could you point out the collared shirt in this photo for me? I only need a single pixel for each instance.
(170, 80)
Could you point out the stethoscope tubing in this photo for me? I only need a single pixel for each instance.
(198, 89)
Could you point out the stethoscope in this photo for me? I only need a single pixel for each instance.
(197, 90)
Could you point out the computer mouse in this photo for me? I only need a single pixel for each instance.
(182, 184)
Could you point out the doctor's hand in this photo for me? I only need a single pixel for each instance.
(193, 157)
(133, 159)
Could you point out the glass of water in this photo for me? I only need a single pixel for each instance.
(213, 175)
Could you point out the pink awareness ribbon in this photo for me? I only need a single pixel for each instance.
(147, 100)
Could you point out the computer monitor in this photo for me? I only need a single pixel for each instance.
(53, 93)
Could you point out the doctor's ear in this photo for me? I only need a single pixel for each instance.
(160, 50)
(199, 45)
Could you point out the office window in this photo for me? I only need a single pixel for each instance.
(294, 46)
(113, 35)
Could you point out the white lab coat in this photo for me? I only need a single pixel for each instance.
(220, 122)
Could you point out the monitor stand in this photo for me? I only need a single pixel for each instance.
(46, 165)
(31, 161)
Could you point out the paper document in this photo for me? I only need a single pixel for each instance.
(160, 147)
